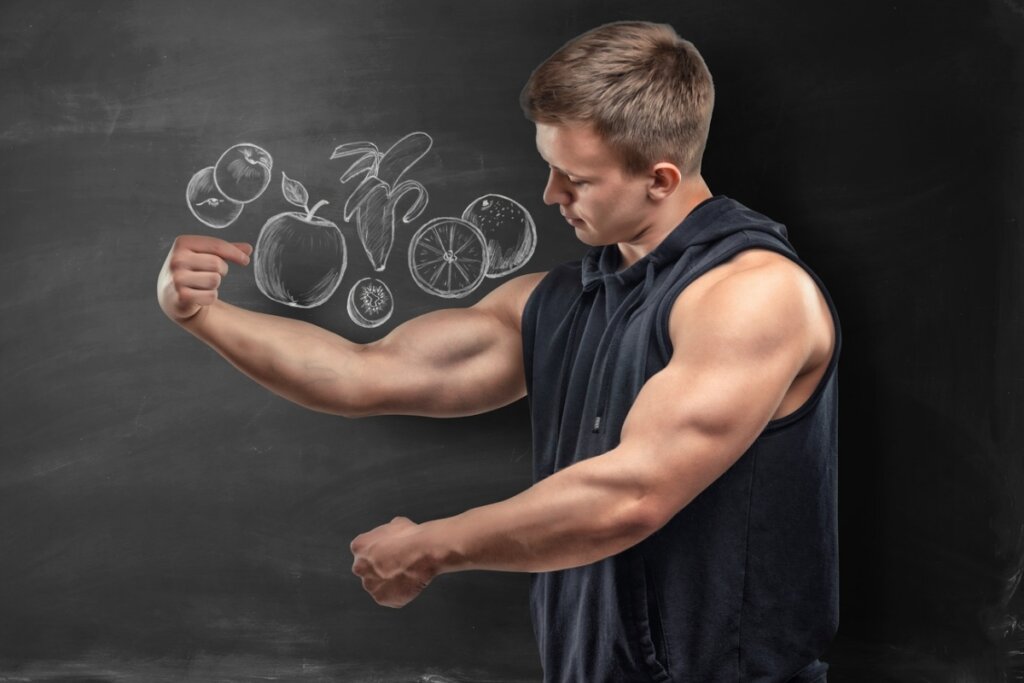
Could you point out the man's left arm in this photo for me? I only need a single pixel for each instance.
(736, 351)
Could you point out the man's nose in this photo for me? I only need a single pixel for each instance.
(554, 191)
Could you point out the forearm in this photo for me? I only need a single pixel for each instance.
(294, 359)
(579, 515)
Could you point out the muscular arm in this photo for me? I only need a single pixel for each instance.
(745, 341)
(445, 363)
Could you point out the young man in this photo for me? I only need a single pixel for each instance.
(682, 383)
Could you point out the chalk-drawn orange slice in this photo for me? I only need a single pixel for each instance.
(448, 257)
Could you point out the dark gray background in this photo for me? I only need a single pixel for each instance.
(162, 517)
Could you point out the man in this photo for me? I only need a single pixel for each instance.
(682, 384)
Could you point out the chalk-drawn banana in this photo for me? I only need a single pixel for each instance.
(374, 200)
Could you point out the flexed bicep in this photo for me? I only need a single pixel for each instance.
(453, 362)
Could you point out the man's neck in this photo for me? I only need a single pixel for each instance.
(689, 194)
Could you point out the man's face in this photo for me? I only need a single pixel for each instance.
(592, 190)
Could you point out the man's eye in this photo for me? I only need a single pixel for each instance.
(577, 182)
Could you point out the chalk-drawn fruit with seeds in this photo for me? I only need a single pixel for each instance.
(299, 257)
(370, 302)
(448, 257)
(243, 172)
(206, 202)
(509, 230)
(375, 199)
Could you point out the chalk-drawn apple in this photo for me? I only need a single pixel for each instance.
(243, 172)
(370, 302)
(299, 257)
(207, 204)
(509, 230)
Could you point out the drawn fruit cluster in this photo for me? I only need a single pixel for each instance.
(448, 257)
(217, 194)
(300, 258)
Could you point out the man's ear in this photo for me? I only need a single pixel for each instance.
(664, 179)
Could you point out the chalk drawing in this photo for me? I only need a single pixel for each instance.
(370, 302)
(299, 258)
(243, 172)
(207, 203)
(373, 201)
(448, 257)
(509, 230)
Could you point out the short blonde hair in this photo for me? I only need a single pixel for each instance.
(646, 91)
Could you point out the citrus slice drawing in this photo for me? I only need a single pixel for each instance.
(448, 257)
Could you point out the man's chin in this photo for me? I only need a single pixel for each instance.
(590, 239)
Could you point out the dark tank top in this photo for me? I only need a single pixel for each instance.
(740, 585)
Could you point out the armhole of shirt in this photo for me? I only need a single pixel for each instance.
(528, 323)
(833, 362)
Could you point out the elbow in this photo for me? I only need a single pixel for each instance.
(635, 521)
(644, 517)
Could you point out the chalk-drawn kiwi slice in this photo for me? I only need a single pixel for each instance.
(370, 302)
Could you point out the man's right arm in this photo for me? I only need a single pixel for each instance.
(446, 363)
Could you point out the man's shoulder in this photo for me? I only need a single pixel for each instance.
(751, 269)
(757, 292)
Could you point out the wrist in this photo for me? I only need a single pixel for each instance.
(195, 320)
(438, 548)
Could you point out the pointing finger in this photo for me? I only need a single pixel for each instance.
(226, 250)
(245, 247)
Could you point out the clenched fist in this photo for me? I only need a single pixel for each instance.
(391, 562)
(193, 271)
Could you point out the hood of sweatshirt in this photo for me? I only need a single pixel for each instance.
(601, 265)
(712, 220)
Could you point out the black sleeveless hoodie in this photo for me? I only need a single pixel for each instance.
(740, 585)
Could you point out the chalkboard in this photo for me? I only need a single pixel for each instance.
(164, 518)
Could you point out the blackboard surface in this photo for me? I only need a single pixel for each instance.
(164, 518)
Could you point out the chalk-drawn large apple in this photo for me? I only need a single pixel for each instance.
(299, 257)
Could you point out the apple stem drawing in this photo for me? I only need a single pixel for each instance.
(295, 192)
(374, 200)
